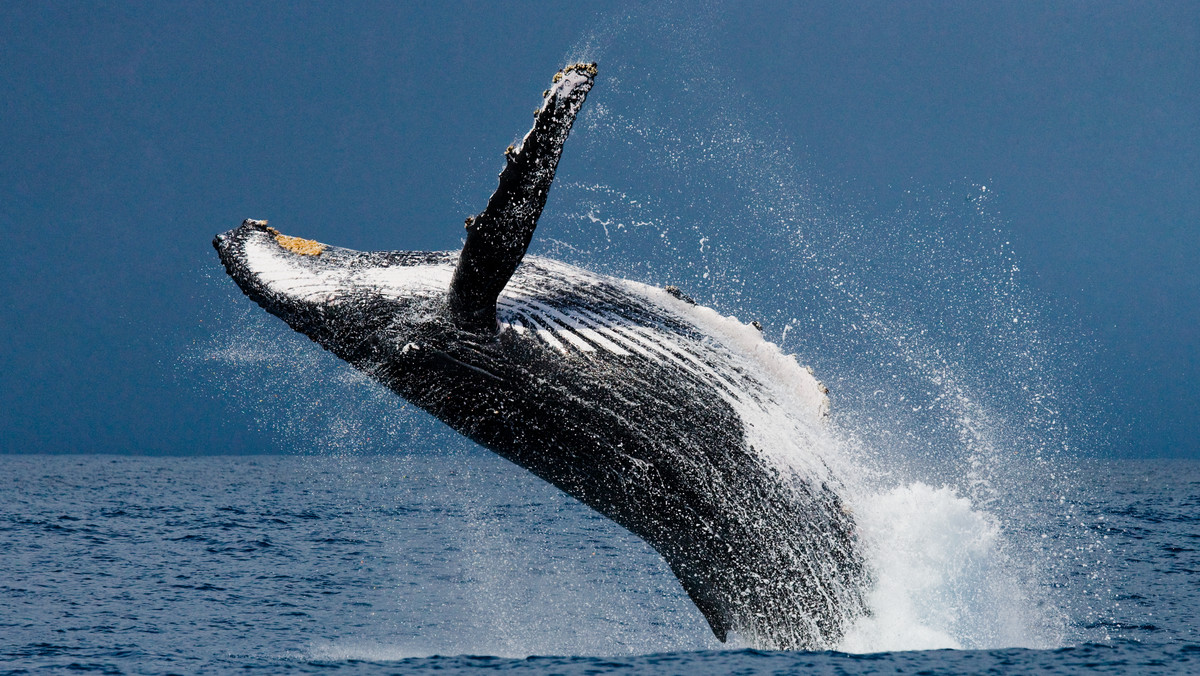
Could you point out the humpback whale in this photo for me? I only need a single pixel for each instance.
(661, 414)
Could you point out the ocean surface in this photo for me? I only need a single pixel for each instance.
(453, 560)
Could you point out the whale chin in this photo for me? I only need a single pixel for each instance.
(683, 426)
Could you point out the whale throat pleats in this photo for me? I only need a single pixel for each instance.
(498, 236)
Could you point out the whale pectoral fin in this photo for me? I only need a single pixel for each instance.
(498, 237)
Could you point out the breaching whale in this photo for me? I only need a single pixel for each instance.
(659, 413)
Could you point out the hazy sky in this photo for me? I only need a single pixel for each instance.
(134, 132)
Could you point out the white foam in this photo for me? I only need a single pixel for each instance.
(942, 579)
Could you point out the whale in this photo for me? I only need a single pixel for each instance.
(680, 424)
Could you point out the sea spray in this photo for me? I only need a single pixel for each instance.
(941, 578)
(950, 393)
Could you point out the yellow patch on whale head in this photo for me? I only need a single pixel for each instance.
(299, 245)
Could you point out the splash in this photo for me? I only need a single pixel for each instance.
(942, 579)
(957, 407)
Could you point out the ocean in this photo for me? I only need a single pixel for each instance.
(452, 560)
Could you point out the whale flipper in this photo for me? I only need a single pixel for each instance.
(498, 237)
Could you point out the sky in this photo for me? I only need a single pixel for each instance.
(132, 133)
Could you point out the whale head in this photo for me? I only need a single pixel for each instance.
(351, 302)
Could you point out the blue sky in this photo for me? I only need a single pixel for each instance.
(133, 133)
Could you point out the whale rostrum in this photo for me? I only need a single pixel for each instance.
(683, 426)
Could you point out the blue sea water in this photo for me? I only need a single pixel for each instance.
(452, 560)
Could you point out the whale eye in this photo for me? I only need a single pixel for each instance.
(299, 245)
